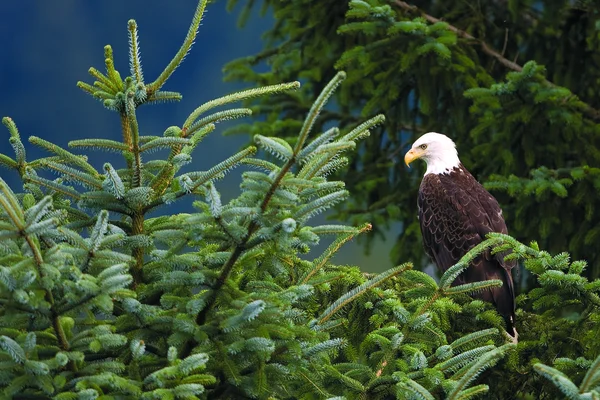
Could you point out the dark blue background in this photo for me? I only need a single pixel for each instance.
(47, 46)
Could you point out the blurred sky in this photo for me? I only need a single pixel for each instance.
(48, 46)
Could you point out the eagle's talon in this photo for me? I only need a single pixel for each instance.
(514, 339)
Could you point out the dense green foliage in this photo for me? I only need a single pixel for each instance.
(514, 83)
(107, 292)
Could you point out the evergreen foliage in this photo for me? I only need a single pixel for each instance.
(514, 83)
(590, 385)
(104, 296)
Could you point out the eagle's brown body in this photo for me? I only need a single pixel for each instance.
(456, 213)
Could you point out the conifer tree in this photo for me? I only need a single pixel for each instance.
(108, 292)
(514, 83)
(104, 296)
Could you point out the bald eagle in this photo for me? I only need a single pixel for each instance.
(456, 213)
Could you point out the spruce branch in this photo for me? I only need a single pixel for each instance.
(103, 200)
(474, 287)
(484, 46)
(325, 137)
(589, 111)
(474, 338)
(135, 139)
(214, 200)
(459, 361)
(323, 166)
(592, 377)
(113, 74)
(336, 147)
(261, 164)
(363, 128)
(31, 177)
(220, 117)
(333, 229)
(417, 390)
(332, 250)
(8, 162)
(453, 272)
(549, 269)
(17, 145)
(588, 387)
(104, 91)
(113, 183)
(72, 174)
(320, 204)
(65, 156)
(253, 226)
(101, 144)
(359, 291)
(560, 380)
(106, 98)
(197, 136)
(347, 381)
(164, 97)
(181, 53)
(238, 96)
(11, 205)
(316, 108)
(164, 143)
(277, 147)
(13, 210)
(223, 167)
(14, 350)
(164, 178)
(318, 389)
(86, 87)
(36, 212)
(98, 232)
(37, 228)
(135, 62)
(484, 362)
(11, 126)
(203, 177)
(101, 81)
(473, 391)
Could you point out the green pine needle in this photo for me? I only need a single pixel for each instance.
(66, 156)
(8, 162)
(135, 62)
(101, 144)
(360, 290)
(592, 377)
(316, 108)
(183, 50)
(333, 248)
(239, 96)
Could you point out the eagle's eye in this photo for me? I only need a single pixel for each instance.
(423, 146)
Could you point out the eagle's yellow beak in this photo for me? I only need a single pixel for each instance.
(411, 156)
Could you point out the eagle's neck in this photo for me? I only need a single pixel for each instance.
(442, 162)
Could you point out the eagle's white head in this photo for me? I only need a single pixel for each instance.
(438, 151)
